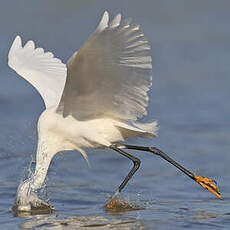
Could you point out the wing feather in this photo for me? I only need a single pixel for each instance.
(41, 69)
(110, 75)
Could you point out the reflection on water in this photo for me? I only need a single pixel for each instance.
(84, 222)
(203, 215)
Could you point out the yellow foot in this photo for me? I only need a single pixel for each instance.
(118, 204)
(208, 184)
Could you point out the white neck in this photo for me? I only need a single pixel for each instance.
(25, 193)
(43, 160)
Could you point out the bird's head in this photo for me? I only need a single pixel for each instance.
(27, 200)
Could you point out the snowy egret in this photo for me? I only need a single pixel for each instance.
(91, 102)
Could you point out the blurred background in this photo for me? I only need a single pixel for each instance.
(190, 99)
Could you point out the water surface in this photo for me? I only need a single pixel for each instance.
(189, 98)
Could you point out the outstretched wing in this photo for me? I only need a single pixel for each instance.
(41, 69)
(110, 75)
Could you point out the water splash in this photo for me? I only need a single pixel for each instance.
(118, 203)
(27, 201)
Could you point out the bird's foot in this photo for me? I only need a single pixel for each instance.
(208, 184)
(117, 203)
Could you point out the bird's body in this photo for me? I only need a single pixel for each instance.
(56, 134)
(67, 133)
(93, 101)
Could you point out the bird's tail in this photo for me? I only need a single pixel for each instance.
(138, 129)
(150, 129)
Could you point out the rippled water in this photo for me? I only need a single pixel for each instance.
(189, 98)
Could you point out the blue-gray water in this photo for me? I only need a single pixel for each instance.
(189, 98)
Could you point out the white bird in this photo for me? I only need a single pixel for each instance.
(91, 102)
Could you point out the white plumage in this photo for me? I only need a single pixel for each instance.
(41, 69)
(93, 101)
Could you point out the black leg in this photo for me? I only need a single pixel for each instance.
(158, 152)
(206, 183)
(136, 165)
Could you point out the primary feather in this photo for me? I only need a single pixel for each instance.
(110, 75)
(41, 69)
